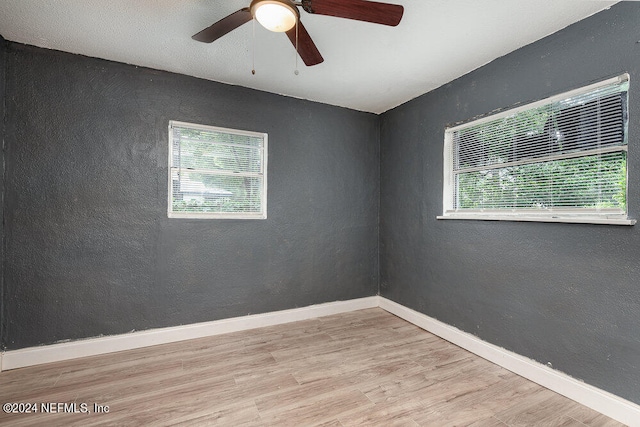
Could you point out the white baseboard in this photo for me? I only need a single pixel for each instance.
(599, 400)
(102, 345)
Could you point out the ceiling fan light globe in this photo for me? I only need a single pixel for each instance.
(275, 15)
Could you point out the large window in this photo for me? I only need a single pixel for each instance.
(216, 172)
(560, 159)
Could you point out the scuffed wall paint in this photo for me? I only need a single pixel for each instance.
(563, 294)
(90, 250)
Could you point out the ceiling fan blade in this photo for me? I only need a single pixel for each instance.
(360, 10)
(306, 47)
(223, 26)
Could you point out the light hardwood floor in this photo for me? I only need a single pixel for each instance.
(366, 367)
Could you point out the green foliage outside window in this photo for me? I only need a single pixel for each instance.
(583, 182)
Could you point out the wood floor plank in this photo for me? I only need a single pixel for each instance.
(542, 407)
(312, 410)
(488, 422)
(589, 417)
(384, 414)
(366, 367)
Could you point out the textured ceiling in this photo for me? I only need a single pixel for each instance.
(367, 67)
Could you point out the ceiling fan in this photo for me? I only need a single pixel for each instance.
(283, 15)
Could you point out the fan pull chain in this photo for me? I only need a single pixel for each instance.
(253, 50)
(296, 72)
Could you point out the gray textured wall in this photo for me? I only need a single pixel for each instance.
(563, 294)
(2, 101)
(89, 247)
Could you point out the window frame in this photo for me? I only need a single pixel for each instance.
(565, 215)
(218, 215)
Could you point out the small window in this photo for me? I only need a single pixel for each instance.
(562, 159)
(216, 172)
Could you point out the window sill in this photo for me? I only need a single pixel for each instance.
(193, 215)
(571, 220)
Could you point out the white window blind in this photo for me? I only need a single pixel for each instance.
(562, 159)
(216, 172)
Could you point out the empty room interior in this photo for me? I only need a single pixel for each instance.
(404, 213)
